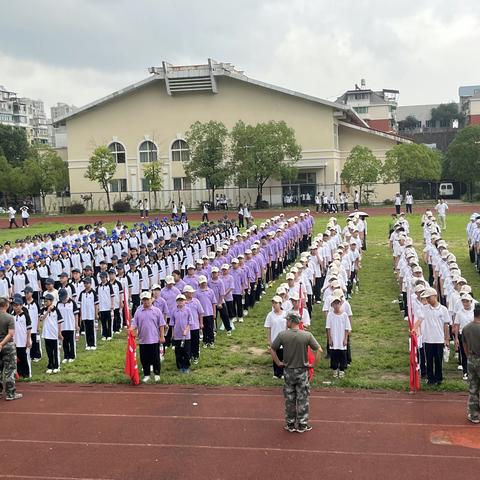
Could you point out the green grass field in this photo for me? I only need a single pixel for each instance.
(379, 337)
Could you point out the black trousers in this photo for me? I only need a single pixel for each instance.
(251, 295)
(225, 317)
(408, 207)
(237, 301)
(68, 344)
(12, 223)
(106, 319)
(182, 354)
(208, 336)
(241, 223)
(205, 217)
(52, 352)
(230, 309)
(36, 350)
(135, 302)
(168, 335)
(195, 343)
(421, 362)
(462, 356)
(278, 371)
(397, 209)
(24, 222)
(338, 359)
(23, 366)
(117, 320)
(150, 357)
(434, 357)
(90, 336)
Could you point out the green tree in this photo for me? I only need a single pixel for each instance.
(463, 155)
(45, 172)
(446, 112)
(362, 168)
(101, 169)
(408, 162)
(266, 150)
(153, 173)
(14, 144)
(207, 143)
(9, 180)
(409, 123)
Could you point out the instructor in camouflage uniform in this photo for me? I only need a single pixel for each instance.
(8, 353)
(471, 345)
(295, 343)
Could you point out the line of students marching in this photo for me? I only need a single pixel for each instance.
(63, 286)
(326, 275)
(440, 305)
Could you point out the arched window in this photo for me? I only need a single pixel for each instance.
(148, 152)
(180, 151)
(118, 152)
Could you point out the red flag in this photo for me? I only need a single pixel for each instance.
(310, 355)
(414, 367)
(131, 367)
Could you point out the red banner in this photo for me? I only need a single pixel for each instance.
(414, 367)
(131, 367)
(310, 355)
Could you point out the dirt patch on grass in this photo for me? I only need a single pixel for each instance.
(258, 352)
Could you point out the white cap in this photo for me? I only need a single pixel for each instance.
(156, 286)
(225, 266)
(169, 279)
(290, 276)
(467, 297)
(202, 279)
(188, 289)
(199, 262)
(145, 295)
(277, 299)
(280, 291)
(429, 292)
(180, 297)
(294, 296)
(190, 266)
(215, 270)
(234, 260)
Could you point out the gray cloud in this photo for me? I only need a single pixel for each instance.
(77, 50)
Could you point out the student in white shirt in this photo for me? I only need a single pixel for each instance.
(22, 337)
(441, 207)
(463, 316)
(69, 311)
(275, 323)
(434, 321)
(338, 329)
(51, 332)
(32, 308)
(408, 202)
(88, 303)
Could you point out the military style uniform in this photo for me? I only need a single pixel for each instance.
(8, 357)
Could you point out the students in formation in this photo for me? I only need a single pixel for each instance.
(183, 285)
(437, 301)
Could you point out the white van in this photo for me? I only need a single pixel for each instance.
(445, 190)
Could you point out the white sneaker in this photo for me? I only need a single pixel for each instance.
(56, 370)
(162, 358)
(109, 338)
(335, 374)
(234, 319)
(222, 327)
(49, 371)
(65, 360)
(229, 333)
(93, 348)
(245, 313)
(71, 360)
(157, 378)
(341, 374)
(405, 318)
(240, 320)
(465, 376)
(459, 367)
(36, 360)
(103, 339)
(146, 379)
(88, 348)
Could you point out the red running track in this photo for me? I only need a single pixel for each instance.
(172, 432)
(132, 218)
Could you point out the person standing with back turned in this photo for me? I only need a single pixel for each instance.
(295, 343)
(471, 345)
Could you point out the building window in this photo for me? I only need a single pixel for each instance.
(118, 185)
(145, 185)
(361, 109)
(118, 152)
(335, 136)
(444, 123)
(182, 183)
(302, 178)
(180, 151)
(430, 123)
(148, 152)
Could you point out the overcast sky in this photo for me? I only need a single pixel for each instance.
(76, 51)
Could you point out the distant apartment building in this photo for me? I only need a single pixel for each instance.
(58, 134)
(24, 113)
(376, 108)
(470, 103)
(423, 117)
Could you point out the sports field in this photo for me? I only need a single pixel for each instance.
(379, 337)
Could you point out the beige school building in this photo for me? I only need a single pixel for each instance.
(147, 121)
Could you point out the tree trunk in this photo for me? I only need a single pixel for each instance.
(155, 198)
(360, 193)
(108, 199)
(212, 202)
(44, 205)
(259, 195)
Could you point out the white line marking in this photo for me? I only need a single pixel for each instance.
(247, 419)
(411, 399)
(239, 448)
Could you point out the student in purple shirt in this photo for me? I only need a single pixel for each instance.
(179, 283)
(161, 304)
(191, 278)
(228, 284)
(197, 310)
(216, 284)
(169, 293)
(148, 325)
(181, 320)
(206, 296)
(238, 289)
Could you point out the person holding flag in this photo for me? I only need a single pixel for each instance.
(149, 325)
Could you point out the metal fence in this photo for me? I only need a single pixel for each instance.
(229, 198)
